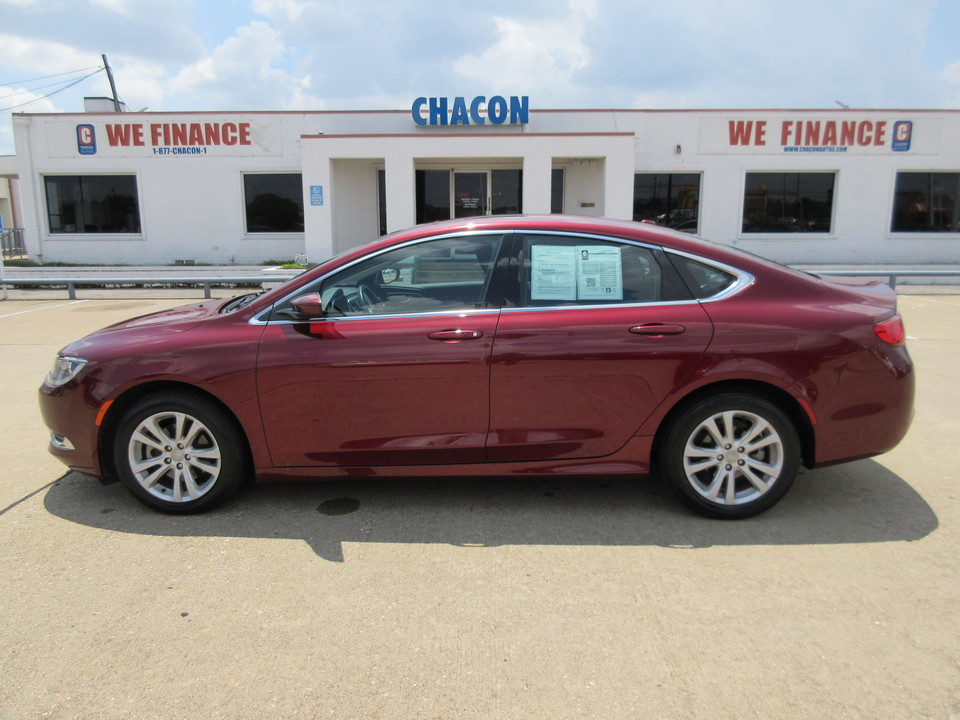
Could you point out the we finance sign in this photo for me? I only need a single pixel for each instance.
(820, 135)
(171, 138)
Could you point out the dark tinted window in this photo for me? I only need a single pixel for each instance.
(671, 199)
(433, 195)
(788, 202)
(274, 202)
(506, 192)
(705, 281)
(927, 202)
(92, 204)
(556, 190)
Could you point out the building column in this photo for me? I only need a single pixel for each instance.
(537, 184)
(317, 218)
(618, 186)
(400, 177)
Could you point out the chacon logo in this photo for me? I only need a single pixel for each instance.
(86, 140)
(479, 111)
(902, 135)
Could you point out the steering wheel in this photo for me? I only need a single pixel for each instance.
(367, 297)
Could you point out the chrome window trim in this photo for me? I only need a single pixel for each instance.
(259, 320)
(743, 280)
(592, 236)
(611, 306)
(353, 318)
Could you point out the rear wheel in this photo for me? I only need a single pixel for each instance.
(731, 456)
(179, 454)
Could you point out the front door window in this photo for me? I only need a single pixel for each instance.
(469, 194)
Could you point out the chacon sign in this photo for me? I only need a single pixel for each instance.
(496, 110)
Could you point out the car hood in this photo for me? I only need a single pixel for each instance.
(144, 328)
(176, 319)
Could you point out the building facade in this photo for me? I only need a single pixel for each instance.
(799, 186)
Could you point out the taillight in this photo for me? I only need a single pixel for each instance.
(891, 331)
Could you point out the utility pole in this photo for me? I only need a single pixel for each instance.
(113, 86)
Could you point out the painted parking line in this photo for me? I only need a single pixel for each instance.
(45, 307)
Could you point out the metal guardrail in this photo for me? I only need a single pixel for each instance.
(12, 242)
(71, 283)
(190, 281)
(891, 275)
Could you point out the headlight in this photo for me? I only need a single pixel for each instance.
(64, 370)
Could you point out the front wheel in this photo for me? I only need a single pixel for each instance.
(731, 456)
(179, 454)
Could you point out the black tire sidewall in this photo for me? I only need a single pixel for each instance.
(685, 424)
(219, 423)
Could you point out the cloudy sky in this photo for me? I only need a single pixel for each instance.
(173, 55)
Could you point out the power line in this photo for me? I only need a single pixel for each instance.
(48, 77)
(34, 90)
(55, 92)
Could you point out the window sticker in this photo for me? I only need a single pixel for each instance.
(584, 272)
(554, 275)
(599, 273)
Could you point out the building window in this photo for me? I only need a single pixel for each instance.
(788, 202)
(671, 199)
(927, 202)
(556, 191)
(506, 192)
(382, 200)
(433, 195)
(274, 202)
(93, 203)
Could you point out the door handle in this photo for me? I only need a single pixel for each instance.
(657, 330)
(455, 335)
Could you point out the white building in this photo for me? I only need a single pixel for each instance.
(800, 186)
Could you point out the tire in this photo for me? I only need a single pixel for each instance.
(180, 453)
(731, 456)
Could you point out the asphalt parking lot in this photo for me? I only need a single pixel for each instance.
(468, 598)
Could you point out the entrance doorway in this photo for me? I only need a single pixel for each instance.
(449, 194)
(470, 193)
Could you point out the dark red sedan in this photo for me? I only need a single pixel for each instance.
(495, 346)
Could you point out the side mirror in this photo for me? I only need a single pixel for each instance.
(310, 305)
(389, 275)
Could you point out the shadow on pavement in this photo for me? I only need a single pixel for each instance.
(856, 503)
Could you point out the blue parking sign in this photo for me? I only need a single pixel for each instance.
(316, 194)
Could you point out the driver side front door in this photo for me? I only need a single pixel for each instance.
(386, 377)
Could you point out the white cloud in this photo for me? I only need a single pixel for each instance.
(121, 7)
(240, 73)
(290, 10)
(951, 73)
(13, 97)
(44, 57)
(534, 54)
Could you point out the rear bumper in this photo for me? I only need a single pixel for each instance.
(864, 406)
